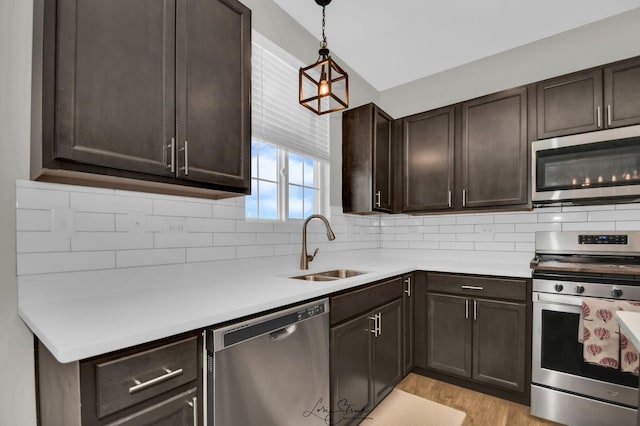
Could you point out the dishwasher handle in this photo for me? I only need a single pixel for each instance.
(283, 333)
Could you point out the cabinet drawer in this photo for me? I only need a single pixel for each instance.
(126, 381)
(364, 299)
(475, 286)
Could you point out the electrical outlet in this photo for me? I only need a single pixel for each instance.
(137, 222)
(63, 222)
(487, 229)
(175, 225)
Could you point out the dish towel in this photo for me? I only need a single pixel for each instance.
(600, 334)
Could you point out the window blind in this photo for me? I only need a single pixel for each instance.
(276, 115)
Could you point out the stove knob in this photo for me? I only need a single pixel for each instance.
(558, 287)
(616, 292)
(579, 289)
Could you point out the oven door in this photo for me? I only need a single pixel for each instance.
(557, 358)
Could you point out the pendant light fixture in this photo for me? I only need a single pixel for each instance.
(323, 86)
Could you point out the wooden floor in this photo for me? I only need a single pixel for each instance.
(481, 409)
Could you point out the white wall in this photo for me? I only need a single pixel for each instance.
(17, 387)
(595, 44)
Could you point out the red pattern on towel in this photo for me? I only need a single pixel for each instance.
(604, 344)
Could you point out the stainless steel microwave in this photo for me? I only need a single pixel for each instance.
(589, 167)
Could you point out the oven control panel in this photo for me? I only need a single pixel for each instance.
(602, 239)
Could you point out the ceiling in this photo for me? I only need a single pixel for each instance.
(394, 42)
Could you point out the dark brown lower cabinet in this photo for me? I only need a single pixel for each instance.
(366, 349)
(407, 318)
(475, 331)
(152, 384)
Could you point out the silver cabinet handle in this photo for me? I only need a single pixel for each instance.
(375, 325)
(475, 309)
(379, 323)
(139, 386)
(407, 281)
(194, 405)
(378, 199)
(471, 287)
(172, 149)
(599, 118)
(464, 198)
(186, 158)
(609, 115)
(466, 309)
(449, 199)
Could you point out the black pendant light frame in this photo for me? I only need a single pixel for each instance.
(330, 73)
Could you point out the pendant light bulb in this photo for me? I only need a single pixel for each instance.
(323, 86)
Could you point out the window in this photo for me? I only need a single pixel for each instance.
(290, 145)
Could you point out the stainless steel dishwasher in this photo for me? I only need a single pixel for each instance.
(271, 370)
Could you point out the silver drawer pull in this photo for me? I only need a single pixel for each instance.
(471, 287)
(194, 405)
(139, 386)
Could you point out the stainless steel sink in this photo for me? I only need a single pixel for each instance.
(332, 275)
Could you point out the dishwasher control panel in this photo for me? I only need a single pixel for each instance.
(311, 311)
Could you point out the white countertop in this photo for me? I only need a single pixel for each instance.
(83, 314)
(630, 326)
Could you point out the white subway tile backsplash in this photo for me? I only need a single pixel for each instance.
(171, 229)
(130, 258)
(534, 227)
(589, 226)
(208, 254)
(196, 224)
(40, 242)
(104, 222)
(235, 239)
(182, 239)
(456, 229)
(628, 226)
(41, 263)
(254, 251)
(33, 220)
(93, 241)
(35, 198)
(495, 246)
(474, 219)
(616, 215)
(456, 245)
(182, 208)
(106, 203)
(516, 218)
(563, 217)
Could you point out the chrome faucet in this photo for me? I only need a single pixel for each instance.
(306, 258)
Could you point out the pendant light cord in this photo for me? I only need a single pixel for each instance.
(324, 37)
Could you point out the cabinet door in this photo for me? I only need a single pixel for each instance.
(351, 370)
(408, 304)
(382, 145)
(387, 350)
(622, 93)
(114, 90)
(499, 330)
(213, 92)
(494, 157)
(448, 334)
(180, 410)
(427, 160)
(570, 104)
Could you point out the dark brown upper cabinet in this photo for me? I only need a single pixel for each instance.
(622, 93)
(427, 161)
(367, 144)
(151, 95)
(493, 160)
(590, 100)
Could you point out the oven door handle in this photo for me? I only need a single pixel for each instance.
(558, 298)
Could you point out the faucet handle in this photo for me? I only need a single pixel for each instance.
(311, 256)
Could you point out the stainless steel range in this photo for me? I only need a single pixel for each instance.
(570, 267)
